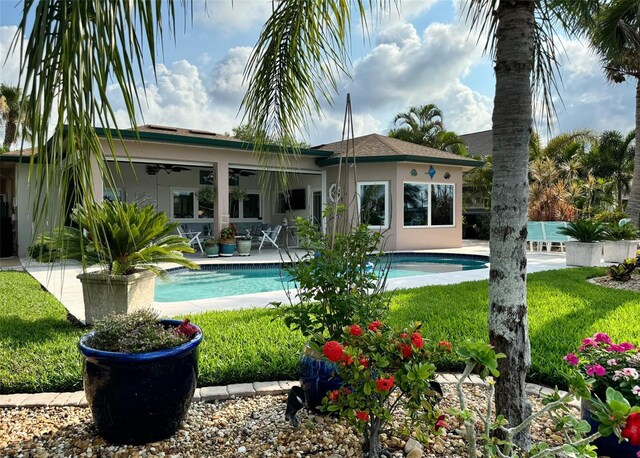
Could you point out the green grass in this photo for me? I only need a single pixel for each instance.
(38, 347)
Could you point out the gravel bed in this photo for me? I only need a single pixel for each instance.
(633, 284)
(245, 427)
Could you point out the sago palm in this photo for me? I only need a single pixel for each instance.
(131, 238)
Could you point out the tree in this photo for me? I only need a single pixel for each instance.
(424, 125)
(248, 134)
(615, 155)
(11, 114)
(616, 37)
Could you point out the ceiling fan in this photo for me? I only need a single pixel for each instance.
(153, 169)
(241, 172)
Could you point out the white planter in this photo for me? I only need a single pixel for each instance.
(105, 294)
(619, 250)
(584, 254)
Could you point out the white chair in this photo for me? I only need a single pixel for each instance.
(192, 236)
(271, 236)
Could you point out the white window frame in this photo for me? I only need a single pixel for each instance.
(195, 203)
(429, 191)
(241, 218)
(386, 202)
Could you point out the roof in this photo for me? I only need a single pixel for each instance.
(16, 156)
(186, 132)
(203, 138)
(380, 148)
(479, 144)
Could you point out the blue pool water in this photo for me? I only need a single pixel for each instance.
(230, 280)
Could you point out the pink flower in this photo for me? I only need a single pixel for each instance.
(627, 346)
(571, 359)
(588, 342)
(596, 369)
(602, 337)
(630, 372)
(612, 362)
(616, 348)
(636, 390)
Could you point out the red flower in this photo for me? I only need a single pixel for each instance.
(385, 384)
(441, 423)
(347, 360)
(374, 325)
(444, 345)
(416, 340)
(333, 351)
(362, 416)
(406, 350)
(355, 330)
(187, 329)
(364, 362)
(334, 395)
(404, 335)
(631, 429)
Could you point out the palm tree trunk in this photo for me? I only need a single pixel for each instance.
(10, 129)
(512, 120)
(634, 199)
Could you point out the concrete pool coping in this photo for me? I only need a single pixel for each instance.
(63, 284)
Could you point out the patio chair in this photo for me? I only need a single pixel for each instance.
(192, 236)
(271, 236)
(551, 234)
(535, 234)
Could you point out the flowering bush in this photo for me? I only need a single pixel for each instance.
(229, 232)
(608, 364)
(383, 368)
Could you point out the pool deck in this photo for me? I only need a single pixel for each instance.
(63, 284)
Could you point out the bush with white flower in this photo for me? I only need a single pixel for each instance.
(609, 364)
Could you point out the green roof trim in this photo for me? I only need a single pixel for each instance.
(162, 137)
(400, 158)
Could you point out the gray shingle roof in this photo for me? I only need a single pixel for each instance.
(479, 143)
(185, 132)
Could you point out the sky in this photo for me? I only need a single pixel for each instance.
(421, 54)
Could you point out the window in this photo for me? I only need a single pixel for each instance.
(442, 205)
(416, 204)
(428, 204)
(374, 206)
(184, 203)
(245, 207)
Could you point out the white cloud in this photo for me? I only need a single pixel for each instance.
(232, 15)
(9, 62)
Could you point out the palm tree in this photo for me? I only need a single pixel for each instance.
(616, 37)
(302, 49)
(11, 114)
(615, 161)
(424, 125)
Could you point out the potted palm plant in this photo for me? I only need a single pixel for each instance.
(139, 375)
(134, 241)
(211, 247)
(586, 249)
(228, 240)
(621, 241)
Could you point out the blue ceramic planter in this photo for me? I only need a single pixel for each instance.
(140, 397)
(227, 249)
(608, 446)
(318, 376)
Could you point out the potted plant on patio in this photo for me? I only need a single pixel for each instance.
(621, 241)
(134, 241)
(609, 365)
(586, 249)
(211, 248)
(228, 240)
(339, 280)
(243, 243)
(139, 375)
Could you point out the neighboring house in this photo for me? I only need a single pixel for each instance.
(412, 192)
(477, 200)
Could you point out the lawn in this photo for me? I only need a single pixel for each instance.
(38, 346)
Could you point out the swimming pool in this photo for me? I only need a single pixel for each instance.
(220, 280)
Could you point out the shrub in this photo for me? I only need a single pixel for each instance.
(584, 231)
(609, 217)
(137, 332)
(627, 231)
(623, 271)
(229, 233)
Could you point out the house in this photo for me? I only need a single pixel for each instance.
(412, 192)
(477, 198)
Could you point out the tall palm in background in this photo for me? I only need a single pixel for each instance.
(615, 162)
(424, 125)
(76, 50)
(616, 37)
(12, 114)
